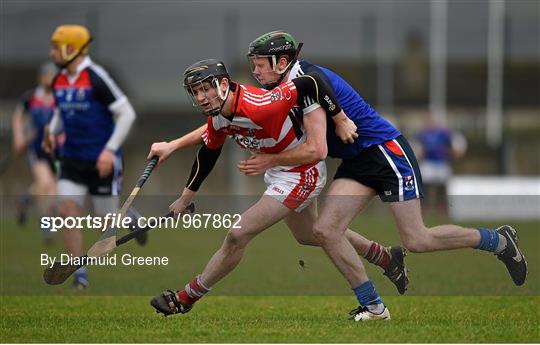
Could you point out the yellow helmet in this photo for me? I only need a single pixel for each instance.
(75, 35)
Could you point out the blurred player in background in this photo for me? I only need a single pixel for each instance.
(436, 147)
(260, 121)
(379, 162)
(32, 113)
(96, 117)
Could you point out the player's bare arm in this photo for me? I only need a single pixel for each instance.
(48, 143)
(310, 87)
(53, 129)
(19, 142)
(104, 163)
(124, 117)
(164, 149)
(180, 204)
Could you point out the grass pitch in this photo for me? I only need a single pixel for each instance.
(234, 319)
(461, 296)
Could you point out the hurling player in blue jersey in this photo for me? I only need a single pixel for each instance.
(96, 117)
(38, 106)
(379, 162)
(437, 146)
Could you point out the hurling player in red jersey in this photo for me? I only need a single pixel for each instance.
(260, 121)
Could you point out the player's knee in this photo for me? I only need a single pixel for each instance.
(47, 189)
(322, 233)
(416, 238)
(68, 208)
(416, 244)
(235, 240)
(412, 247)
(308, 241)
(50, 187)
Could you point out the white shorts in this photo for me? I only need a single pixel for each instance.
(295, 188)
(76, 192)
(435, 172)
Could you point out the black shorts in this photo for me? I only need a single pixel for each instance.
(35, 155)
(390, 169)
(85, 173)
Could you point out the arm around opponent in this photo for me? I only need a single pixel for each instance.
(311, 88)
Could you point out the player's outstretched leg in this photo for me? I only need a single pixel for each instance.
(265, 213)
(23, 203)
(390, 259)
(344, 201)
(512, 256)
(503, 242)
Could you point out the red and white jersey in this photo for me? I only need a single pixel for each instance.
(263, 120)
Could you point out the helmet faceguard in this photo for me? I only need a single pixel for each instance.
(201, 75)
(273, 45)
(77, 36)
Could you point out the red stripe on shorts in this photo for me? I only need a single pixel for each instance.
(304, 188)
(392, 146)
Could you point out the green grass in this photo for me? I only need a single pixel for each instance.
(460, 296)
(270, 320)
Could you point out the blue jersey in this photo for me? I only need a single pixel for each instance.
(40, 107)
(437, 144)
(84, 102)
(372, 129)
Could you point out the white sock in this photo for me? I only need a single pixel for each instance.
(502, 244)
(376, 308)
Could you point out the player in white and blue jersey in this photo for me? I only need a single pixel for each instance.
(378, 162)
(96, 117)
